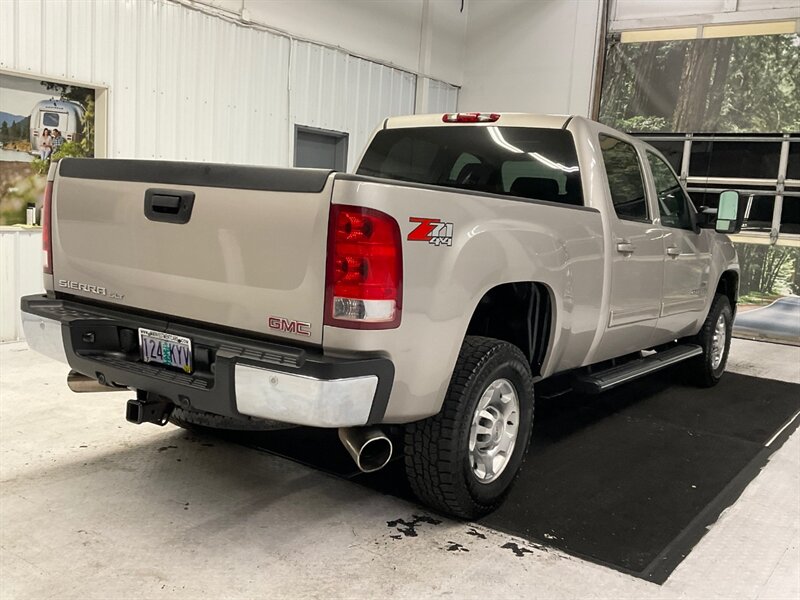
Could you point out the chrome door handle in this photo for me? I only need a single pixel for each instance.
(625, 247)
(673, 251)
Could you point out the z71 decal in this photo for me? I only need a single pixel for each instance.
(433, 231)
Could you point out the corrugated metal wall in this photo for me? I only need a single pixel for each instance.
(20, 274)
(333, 90)
(187, 85)
(442, 97)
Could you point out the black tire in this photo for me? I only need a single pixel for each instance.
(437, 457)
(701, 369)
(193, 419)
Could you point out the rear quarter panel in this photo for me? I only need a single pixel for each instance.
(495, 241)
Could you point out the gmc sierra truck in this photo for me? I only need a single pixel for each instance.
(416, 303)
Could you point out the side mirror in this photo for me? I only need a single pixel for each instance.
(730, 213)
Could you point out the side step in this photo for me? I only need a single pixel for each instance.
(601, 381)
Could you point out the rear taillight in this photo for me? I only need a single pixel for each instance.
(470, 117)
(47, 226)
(364, 272)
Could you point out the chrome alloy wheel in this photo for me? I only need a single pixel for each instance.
(718, 340)
(493, 434)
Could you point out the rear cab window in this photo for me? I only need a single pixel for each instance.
(526, 162)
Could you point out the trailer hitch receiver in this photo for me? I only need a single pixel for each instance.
(148, 408)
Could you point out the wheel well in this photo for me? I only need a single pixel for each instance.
(519, 313)
(729, 285)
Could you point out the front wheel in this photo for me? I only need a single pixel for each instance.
(463, 460)
(715, 339)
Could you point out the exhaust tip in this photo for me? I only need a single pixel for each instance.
(80, 383)
(370, 448)
(375, 454)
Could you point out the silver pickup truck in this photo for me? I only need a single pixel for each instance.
(417, 302)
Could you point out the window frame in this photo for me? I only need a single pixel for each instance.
(687, 201)
(642, 175)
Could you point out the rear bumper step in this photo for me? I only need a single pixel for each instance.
(235, 376)
(601, 381)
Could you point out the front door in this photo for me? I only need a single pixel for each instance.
(637, 271)
(688, 256)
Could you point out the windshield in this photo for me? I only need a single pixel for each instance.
(516, 161)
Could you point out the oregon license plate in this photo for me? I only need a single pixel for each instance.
(166, 349)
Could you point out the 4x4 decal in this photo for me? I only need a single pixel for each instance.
(433, 231)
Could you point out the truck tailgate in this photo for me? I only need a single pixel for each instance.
(250, 256)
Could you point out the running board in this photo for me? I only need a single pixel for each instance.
(594, 383)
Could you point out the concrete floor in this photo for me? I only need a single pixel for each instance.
(93, 507)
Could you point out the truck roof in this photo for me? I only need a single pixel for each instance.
(507, 119)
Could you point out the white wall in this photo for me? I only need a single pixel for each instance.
(530, 56)
(20, 275)
(387, 31)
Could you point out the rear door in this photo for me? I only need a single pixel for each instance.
(638, 253)
(249, 253)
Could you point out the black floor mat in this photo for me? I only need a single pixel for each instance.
(629, 479)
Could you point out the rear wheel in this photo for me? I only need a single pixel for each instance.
(463, 460)
(715, 338)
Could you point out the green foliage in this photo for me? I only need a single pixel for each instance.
(87, 141)
(742, 84)
(768, 270)
(639, 124)
(69, 149)
(39, 166)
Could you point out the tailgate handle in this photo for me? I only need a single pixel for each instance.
(168, 206)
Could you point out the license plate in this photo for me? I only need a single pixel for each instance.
(166, 349)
